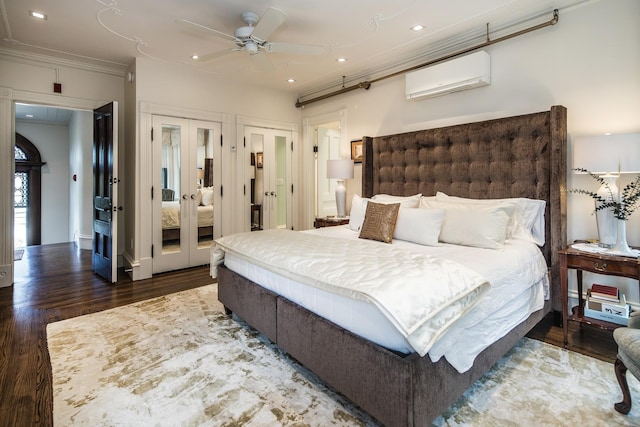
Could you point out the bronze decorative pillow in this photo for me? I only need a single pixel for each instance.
(379, 221)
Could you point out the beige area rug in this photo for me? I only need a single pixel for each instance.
(179, 361)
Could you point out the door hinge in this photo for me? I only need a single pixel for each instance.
(152, 192)
(221, 191)
(244, 189)
(151, 251)
(291, 146)
(151, 134)
(315, 148)
(221, 142)
(244, 142)
(291, 188)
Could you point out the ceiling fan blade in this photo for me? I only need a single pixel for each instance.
(269, 22)
(297, 49)
(262, 62)
(192, 25)
(212, 56)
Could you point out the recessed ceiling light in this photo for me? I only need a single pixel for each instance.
(417, 27)
(341, 59)
(37, 15)
(195, 57)
(291, 80)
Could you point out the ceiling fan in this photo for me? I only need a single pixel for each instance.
(254, 38)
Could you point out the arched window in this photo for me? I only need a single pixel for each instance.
(27, 187)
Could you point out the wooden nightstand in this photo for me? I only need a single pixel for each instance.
(580, 261)
(330, 221)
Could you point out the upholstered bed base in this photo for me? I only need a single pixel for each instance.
(398, 390)
(520, 156)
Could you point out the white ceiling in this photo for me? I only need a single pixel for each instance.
(374, 35)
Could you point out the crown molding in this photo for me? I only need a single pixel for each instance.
(31, 58)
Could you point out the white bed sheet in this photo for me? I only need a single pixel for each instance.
(519, 286)
(171, 215)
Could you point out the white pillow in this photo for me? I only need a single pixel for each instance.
(405, 201)
(359, 206)
(527, 220)
(356, 215)
(473, 224)
(207, 196)
(421, 226)
(199, 197)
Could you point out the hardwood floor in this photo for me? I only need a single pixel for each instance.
(55, 282)
(52, 283)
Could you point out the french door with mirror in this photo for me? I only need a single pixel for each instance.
(186, 191)
(271, 200)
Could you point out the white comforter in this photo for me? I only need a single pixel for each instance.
(422, 302)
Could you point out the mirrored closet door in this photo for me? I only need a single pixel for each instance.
(186, 199)
(270, 172)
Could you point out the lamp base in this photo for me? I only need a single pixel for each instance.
(341, 199)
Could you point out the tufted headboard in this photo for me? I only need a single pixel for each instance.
(519, 156)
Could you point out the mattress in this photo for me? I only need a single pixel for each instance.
(519, 284)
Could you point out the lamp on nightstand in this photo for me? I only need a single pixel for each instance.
(340, 169)
(608, 156)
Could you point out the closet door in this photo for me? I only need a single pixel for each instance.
(186, 205)
(272, 151)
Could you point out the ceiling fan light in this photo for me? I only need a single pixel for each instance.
(251, 47)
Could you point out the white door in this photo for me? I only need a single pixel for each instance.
(186, 197)
(328, 143)
(272, 150)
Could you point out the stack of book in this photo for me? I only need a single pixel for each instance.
(607, 303)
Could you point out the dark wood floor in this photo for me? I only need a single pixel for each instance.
(55, 282)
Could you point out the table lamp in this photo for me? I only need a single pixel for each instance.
(340, 169)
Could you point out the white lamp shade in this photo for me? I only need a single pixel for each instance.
(606, 154)
(340, 169)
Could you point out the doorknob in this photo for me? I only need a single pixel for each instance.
(193, 197)
(273, 193)
(266, 193)
(185, 197)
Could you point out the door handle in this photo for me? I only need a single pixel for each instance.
(266, 193)
(185, 197)
(273, 193)
(193, 197)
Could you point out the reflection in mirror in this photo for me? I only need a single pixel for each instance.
(328, 142)
(171, 188)
(204, 182)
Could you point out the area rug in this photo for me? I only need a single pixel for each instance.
(17, 254)
(178, 360)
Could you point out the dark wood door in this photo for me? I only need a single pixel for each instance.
(105, 194)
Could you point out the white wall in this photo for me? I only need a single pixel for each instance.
(53, 143)
(81, 190)
(588, 62)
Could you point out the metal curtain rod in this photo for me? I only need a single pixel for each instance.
(367, 83)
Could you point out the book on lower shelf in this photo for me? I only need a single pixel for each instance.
(609, 311)
(605, 292)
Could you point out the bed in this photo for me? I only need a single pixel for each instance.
(171, 220)
(515, 157)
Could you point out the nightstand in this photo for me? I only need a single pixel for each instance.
(330, 221)
(598, 263)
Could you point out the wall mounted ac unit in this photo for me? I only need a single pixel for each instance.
(458, 74)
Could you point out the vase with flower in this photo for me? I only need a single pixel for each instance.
(622, 203)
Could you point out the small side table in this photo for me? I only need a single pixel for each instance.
(599, 263)
(330, 221)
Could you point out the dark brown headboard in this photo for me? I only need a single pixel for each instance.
(519, 156)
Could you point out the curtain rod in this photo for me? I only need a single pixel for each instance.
(367, 83)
